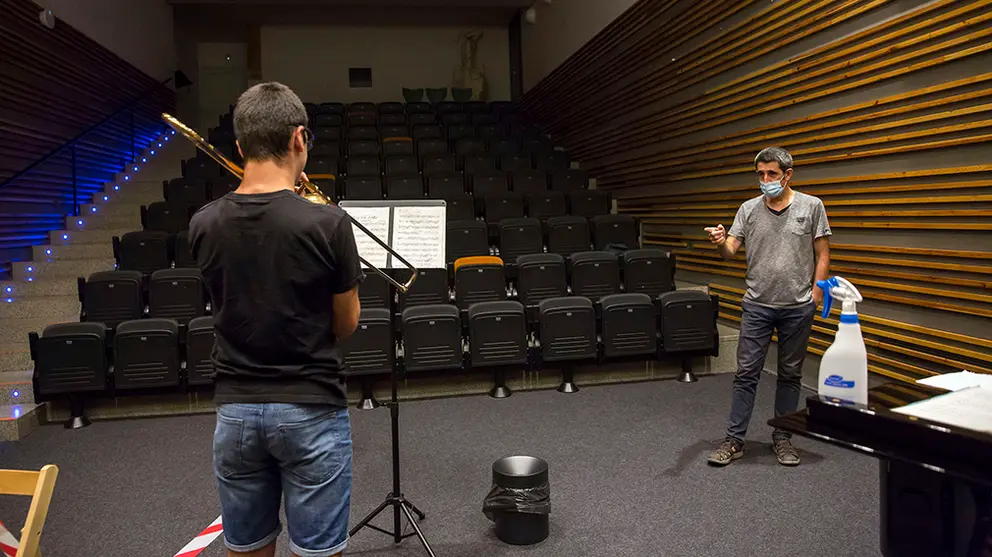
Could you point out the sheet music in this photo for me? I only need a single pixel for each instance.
(957, 381)
(969, 408)
(376, 219)
(419, 236)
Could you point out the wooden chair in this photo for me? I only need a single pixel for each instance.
(39, 486)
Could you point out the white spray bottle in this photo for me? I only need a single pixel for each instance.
(844, 366)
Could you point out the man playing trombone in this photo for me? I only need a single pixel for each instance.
(283, 276)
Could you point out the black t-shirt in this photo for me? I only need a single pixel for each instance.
(272, 263)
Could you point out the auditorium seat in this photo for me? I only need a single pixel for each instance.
(479, 279)
(617, 230)
(191, 192)
(488, 132)
(201, 167)
(529, 181)
(363, 166)
(428, 147)
(552, 161)
(222, 186)
(69, 358)
(491, 183)
(504, 146)
(466, 238)
(432, 338)
(648, 271)
(460, 207)
(447, 107)
(327, 141)
(397, 146)
(458, 132)
(545, 205)
(567, 334)
(418, 119)
(537, 145)
(363, 148)
(146, 354)
(419, 108)
(431, 287)
(176, 294)
(497, 338)
(440, 186)
(518, 237)
(588, 203)
(328, 120)
(567, 235)
(629, 325)
(402, 166)
(483, 119)
(163, 216)
(517, 162)
(330, 108)
(323, 165)
(362, 107)
(363, 120)
(370, 351)
(501, 108)
(144, 251)
(688, 322)
(478, 164)
(362, 187)
(389, 121)
(404, 187)
(540, 276)
(453, 119)
(181, 254)
(199, 349)
(375, 291)
(111, 297)
(438, 164)
(569, 180)
(476, 107)
(363, 133)
(497, 207)
(594, 274)
(389, 108)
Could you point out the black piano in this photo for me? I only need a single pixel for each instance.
(935, 480)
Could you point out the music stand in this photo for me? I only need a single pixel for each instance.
(412, 227)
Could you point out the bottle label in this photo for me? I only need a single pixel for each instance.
(838, 381)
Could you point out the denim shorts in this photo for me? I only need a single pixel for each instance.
(264, 452)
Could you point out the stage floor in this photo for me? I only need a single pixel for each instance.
(627, 467)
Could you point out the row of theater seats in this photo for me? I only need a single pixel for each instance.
(166, 243)
(113, 297)
(443, 107)
(526, 190)
(74, 359)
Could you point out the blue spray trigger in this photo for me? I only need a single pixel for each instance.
(828, 299)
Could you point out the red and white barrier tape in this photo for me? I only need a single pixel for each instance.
(8, 543)
(202, 540)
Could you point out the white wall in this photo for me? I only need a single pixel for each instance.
(314, 60)
(139, 31)
(562, 27)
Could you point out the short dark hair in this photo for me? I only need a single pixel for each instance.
(264, 120)
(775, 154)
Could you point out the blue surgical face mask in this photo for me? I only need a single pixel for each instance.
(772, 189)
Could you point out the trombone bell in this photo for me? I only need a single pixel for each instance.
(304, 188)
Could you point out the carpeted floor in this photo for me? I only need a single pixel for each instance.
(628, 478)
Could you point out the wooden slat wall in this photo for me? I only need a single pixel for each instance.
(886, 107)
(56, 83)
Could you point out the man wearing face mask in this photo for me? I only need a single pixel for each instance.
(283, 276)
(786, 233)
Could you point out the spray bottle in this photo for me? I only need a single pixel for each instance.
(844, 366)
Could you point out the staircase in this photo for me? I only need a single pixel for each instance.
(44, 291)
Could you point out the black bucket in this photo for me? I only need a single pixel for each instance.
(529, 523)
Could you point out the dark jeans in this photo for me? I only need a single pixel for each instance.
(757, 323)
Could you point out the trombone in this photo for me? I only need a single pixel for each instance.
(304, 188)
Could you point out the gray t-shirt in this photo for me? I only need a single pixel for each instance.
(780, 257)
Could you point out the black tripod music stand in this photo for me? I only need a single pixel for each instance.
(395, 499)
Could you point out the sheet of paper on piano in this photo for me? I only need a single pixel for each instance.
(969, 408)
(958, 380)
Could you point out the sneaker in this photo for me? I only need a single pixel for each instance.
(728, 451)
(786, 454)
